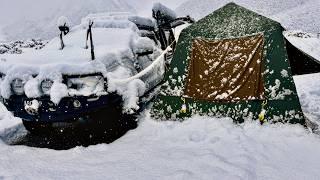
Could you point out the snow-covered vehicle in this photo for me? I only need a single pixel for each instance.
(109, 63)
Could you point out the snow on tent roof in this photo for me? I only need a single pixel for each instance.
(232, 22)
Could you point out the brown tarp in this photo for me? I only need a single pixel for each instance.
(226, 70)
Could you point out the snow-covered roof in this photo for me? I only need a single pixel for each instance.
(106, 41)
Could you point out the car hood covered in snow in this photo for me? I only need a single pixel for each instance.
(111, 45)
(106, 41)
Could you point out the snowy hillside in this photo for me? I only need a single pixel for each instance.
(44, 23)
(292, 14)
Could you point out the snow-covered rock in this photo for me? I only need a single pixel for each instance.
(18, 47)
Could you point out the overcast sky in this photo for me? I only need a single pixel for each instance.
(11, 10)
(17, 14)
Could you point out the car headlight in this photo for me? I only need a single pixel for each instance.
(17, 86)
(85, 85)
(46, 86)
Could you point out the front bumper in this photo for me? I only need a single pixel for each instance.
(65, 111)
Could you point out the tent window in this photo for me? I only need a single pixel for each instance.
(226, 70)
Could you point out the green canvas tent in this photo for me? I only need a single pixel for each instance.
(231, 63)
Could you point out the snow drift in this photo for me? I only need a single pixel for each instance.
(199, 148)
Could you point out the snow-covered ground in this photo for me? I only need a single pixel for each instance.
(199, 148)
(308, 88)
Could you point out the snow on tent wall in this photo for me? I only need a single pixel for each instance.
(232, 21)
(217, 75)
